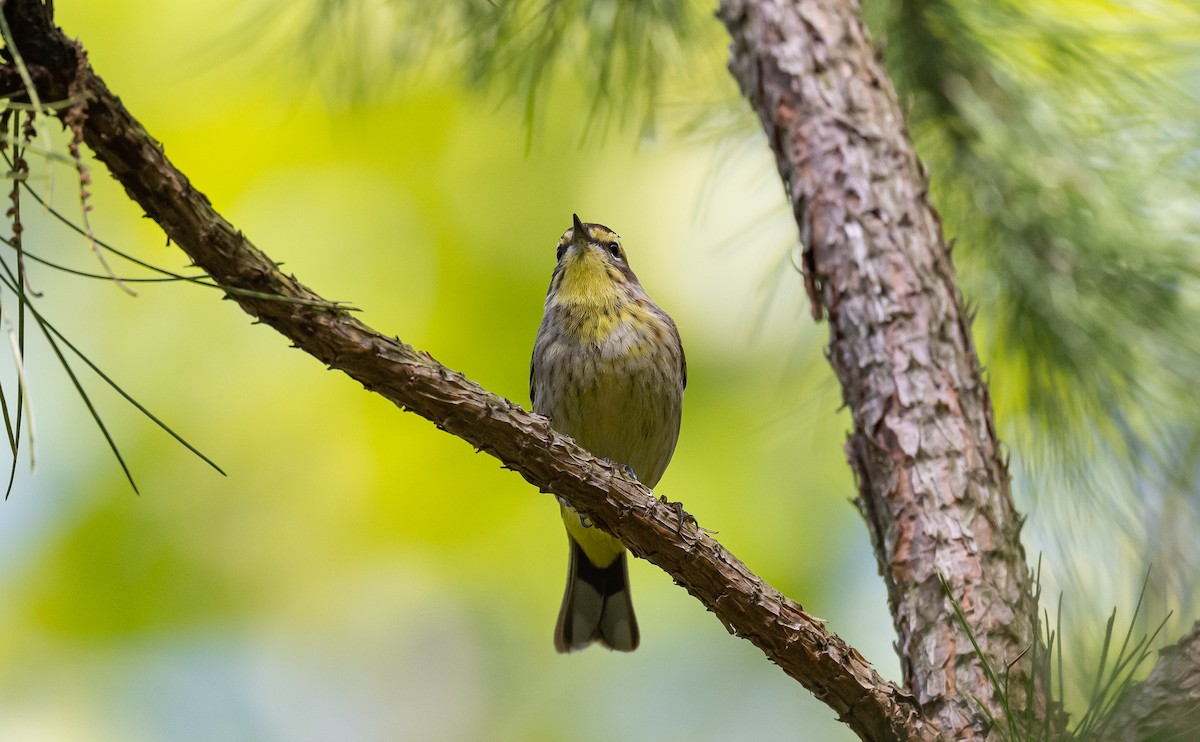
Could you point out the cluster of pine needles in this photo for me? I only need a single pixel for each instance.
(1020, 720)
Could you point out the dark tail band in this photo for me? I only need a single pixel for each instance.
(597, 605)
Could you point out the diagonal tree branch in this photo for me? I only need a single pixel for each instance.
(933, 486)
(413, 380)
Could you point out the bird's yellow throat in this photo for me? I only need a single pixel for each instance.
(595, 297)
(587, 279)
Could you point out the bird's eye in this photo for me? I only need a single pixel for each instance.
(614, 249)
(561, 249)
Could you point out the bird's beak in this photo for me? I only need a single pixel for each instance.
(580, 234)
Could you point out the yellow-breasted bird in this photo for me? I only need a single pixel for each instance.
(608, 370)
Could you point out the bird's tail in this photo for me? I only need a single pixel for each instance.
(596, 606)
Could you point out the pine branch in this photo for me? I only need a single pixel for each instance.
(748, 607)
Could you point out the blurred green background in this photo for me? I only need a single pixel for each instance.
(360, 575)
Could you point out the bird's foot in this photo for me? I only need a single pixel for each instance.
(681, 515)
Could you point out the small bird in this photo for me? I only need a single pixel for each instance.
(608, 370)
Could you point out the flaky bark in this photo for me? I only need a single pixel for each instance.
(524, 442)
(933, 487)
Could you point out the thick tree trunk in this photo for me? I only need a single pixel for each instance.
(933, 487)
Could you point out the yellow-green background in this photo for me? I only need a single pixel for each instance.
(360, 575)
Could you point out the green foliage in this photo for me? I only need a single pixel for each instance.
(1050, 141)
(619, 55)
(13, 277)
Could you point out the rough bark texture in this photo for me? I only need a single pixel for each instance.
(1166, 705)
(524, 442)
(933, 487)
